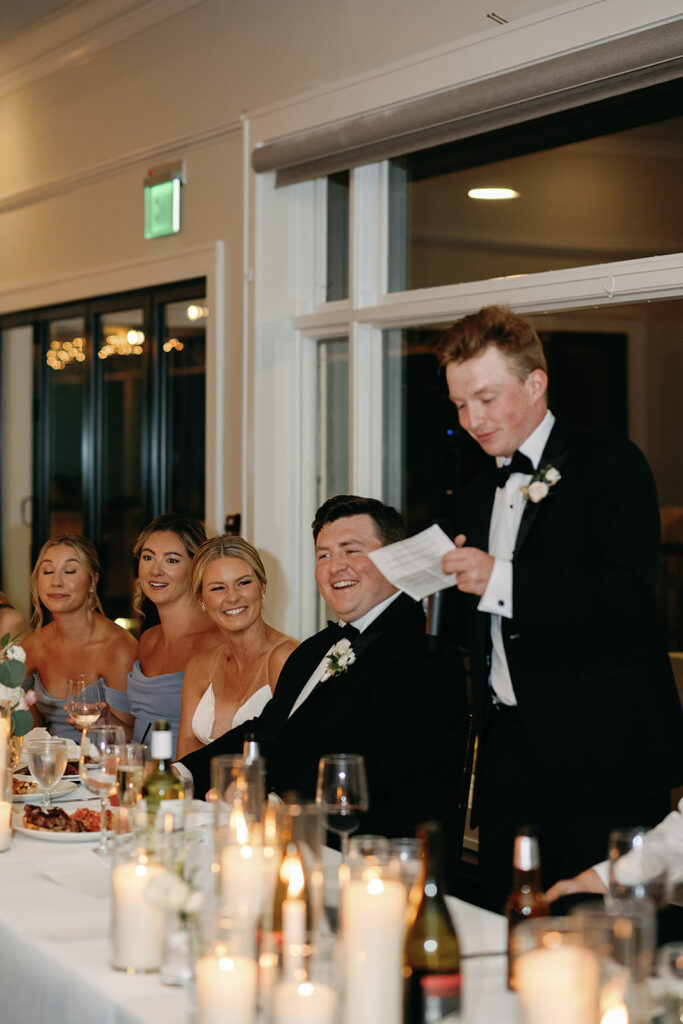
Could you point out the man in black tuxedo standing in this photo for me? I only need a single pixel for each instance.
(578, 719)
(392, 699)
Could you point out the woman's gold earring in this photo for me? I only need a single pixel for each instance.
(203, 607)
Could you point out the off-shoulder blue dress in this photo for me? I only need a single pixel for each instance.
(149, 698)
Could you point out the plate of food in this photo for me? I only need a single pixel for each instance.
(55, 825)
(70, 772)
(26, 788)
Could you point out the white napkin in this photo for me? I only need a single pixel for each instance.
(73, 751)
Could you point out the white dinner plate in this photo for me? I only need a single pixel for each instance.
(48, 835)
(64, 790)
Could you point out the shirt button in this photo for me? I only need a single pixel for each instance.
(501, 604)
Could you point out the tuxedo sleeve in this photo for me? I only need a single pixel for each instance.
(603, 562)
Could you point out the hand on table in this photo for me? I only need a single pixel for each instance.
(472, 566)
(586, 881)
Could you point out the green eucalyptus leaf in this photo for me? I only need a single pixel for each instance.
(22, 722)
(5, 640)
(12, 673)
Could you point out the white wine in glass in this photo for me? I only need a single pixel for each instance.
(84, 700)
(47, 761)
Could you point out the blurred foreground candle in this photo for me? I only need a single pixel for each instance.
(558, 985)
(242, 868)
(374, 925)
(226, 989)
(5, 825)
(303, 1003)
(4, 737)
(293, 913)
(138, 926)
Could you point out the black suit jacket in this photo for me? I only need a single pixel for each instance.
(590, 672)
(400, 705)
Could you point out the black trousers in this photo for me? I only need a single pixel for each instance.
(515, 790)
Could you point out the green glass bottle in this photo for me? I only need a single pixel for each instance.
(162, 786)
(431, 956)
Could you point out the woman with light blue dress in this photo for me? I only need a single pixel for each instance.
(164, 552)
(78, 640)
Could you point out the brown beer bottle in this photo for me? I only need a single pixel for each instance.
(526, 899)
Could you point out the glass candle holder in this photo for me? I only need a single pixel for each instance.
(557, 977)
(226, 977)
(5, 809)
(138, 924)
(373, 930)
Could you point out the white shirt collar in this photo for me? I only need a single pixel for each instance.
(535, 443)
(364, 621)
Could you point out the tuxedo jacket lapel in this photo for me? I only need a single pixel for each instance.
(555, 453)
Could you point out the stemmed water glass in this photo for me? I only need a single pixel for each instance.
(101, 747)
(342, 793)
(84, 700)
(47, 761)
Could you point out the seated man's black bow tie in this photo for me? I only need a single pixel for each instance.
(345, 632)
(520, 464)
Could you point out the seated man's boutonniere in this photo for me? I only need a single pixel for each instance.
(538, 487)
(339, 659)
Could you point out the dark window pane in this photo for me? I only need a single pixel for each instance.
(333, 417)
(183, 356)
(67, 377)
(337, 236)
(123, 352)
(599, 185)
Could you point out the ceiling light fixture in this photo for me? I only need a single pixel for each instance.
(493, 193)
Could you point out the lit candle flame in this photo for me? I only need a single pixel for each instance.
(292, 874)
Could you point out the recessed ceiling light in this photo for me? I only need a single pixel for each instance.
(493, 193)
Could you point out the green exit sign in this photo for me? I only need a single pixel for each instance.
(162, 200)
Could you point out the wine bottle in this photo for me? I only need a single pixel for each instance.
(431, 957)
(250, 748)
(526, 899)
(162, 786)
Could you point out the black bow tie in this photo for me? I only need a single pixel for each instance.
(520, 464)
(339, 632)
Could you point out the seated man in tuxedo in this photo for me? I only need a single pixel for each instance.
(576, 710)
(395, 701)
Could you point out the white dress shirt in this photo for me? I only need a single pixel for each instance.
(508, 507)
(361, 625)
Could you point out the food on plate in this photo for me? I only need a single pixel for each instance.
(71, 768)
(22, 787)
(57, 820)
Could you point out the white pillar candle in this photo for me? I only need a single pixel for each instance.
(373, 925)
(303, 1003)
(558, 985)
(225, 990)
(242, 880)
(5, 825)
(293, 934)
(138, 931)
(4, 742)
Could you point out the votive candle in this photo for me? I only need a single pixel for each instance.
(5, 825)
(138, 931)
(374, 925)
(225, 989)
(558, 984)
(303, 1003)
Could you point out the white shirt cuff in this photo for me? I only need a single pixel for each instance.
(182, 771)
(497, 598)
(602, 870)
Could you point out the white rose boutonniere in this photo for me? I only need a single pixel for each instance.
(339, 659)
(539, 486)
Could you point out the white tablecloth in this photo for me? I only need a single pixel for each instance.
(55, 949)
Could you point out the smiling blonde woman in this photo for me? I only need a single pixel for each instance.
(234, 683)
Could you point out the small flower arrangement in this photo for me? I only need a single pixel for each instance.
(339, 659)
(170, 892)
(539, 486)
(12, 675)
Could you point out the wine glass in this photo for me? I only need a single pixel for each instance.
(101, 747)
(637, 869)
(47, 761)
(342, 793)
(129, 773)
(84, 700)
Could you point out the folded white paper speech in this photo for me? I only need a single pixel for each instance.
(414, 565)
